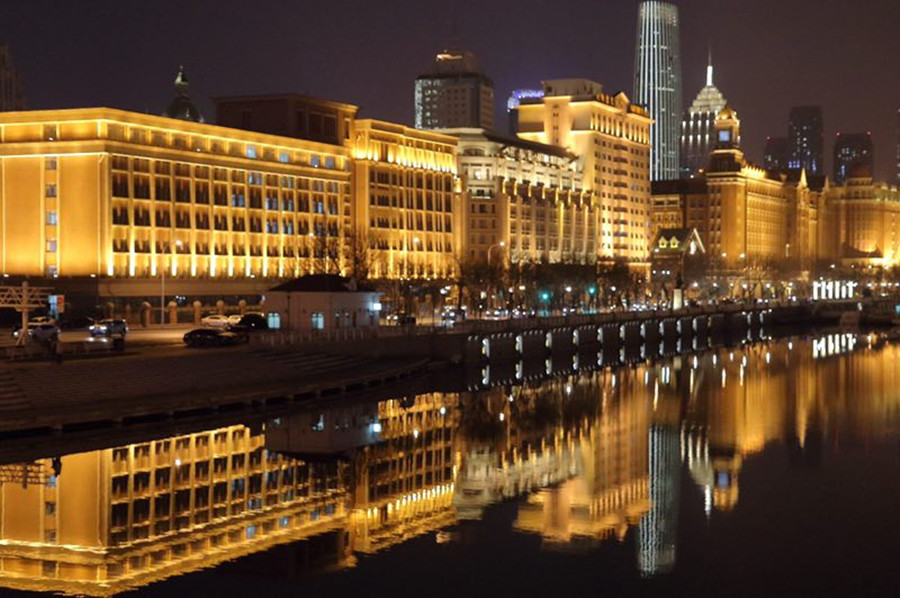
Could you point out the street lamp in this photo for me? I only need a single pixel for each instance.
(162, 288)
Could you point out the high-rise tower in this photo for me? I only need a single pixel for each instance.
(454, 93)
(851, 152)
(657, 84)
(698, 126)
(806, 140)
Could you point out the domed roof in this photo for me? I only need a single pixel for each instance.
(181, 107)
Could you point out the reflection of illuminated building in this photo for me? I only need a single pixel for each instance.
(122, 518)
(609, 494)
(659, 528)
(403, 485)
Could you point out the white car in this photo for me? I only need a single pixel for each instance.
(215, 321)
(234, 319)
(39, 331)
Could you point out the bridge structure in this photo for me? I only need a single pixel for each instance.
(641, 334)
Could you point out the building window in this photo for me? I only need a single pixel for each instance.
(51, 164)
(284, 157)
(317, 321)
(315, 161)
(52, 219)
(251, 151)
(51, 190)
(51, 245)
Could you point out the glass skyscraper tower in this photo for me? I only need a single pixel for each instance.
(657, 84)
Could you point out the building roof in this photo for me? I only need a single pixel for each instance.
(289, 96)
(182, 107)
(322, 283)
(470, 133)
(672, 241)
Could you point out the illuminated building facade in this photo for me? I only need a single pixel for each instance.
(853, 151)
(107, 193)
(454, 93)
(408, 203)
(657, 83)
(747, 217)
(698, 127)
(611, 137)
(12, 92)
(525, 201)
(862, 222)
(806, 140)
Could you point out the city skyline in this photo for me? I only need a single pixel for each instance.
(118, 73)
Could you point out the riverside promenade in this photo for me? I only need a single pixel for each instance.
(170, 384)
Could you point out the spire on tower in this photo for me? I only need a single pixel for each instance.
(709, 69)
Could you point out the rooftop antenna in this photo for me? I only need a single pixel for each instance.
(454, 27)
(709, 68)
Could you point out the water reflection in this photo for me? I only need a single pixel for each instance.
(591, 458)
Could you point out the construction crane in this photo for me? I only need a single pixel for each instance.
(24, 299)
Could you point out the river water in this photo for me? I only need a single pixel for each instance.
(767, 469)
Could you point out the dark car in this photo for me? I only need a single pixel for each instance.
(211, 337)
(250, 323)
(78, 323)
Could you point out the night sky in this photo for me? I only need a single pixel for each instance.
(769, 54)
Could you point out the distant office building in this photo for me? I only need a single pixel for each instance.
(851, 152)
(611, 137)
(289, 115)
(806, 139)
(454, 93)
(657, 84)
(512, 105)
(776, 159)
(698, 127)
(12, 94)
(181, 106)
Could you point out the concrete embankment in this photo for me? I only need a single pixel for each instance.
(513, 340)
(45, 399)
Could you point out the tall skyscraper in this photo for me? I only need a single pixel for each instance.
(776, 159)
(806, 139)
(698, 126)
(853, 150)
(657, 84)
(12, 94)
(454, 93)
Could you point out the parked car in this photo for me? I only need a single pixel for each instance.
(211, 337)
(109, 327)
(38, 331)
(79, 323)
(250, 323)
(234, 319)
(215, 321)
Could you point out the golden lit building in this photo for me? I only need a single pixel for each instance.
(525, 201)
(745, 215)
(862, 222)
(107, 193)
(611, 137)
(407, 200)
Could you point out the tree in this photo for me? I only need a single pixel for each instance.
(359, 254)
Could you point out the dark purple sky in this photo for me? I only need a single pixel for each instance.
(769, 54)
